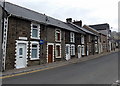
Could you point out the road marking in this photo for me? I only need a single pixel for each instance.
(9, 76)
(13, 75)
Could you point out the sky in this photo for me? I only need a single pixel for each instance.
(89, 11)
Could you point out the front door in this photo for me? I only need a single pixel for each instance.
(67, 51)
(50, 53)
(79, 51)
(21, 60)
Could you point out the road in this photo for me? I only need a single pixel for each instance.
(102, 70)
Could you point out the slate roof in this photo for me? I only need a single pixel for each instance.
(83, 29)
(95, 31)
(79, 30)
(25, 13)
(100, 26)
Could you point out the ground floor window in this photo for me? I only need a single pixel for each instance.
(83, 50)
(34, 50)
(96, 47)
(67, 49)
(72, 49)
(58, 50)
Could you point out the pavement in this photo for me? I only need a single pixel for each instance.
(32, 69)
(103, 70)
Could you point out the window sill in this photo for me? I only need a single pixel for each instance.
(58, 57)
(34, 38)
(72, 42)
(34, 58)
(57, 41)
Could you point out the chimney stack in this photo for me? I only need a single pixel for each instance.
(68, 20)
(79, 23)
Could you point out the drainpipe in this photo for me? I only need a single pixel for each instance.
(1, 37)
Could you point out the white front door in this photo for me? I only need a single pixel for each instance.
(67, 51)
(79, 51)
(21, 60)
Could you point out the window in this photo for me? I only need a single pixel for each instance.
(72, 49)
(34, 50)
(67, 49)
(35, 29)
(58, 36)
(83, 50)
(58, 51)
(96, 48)
(72, 37)
(95, 39)
(82, 39)
(21, 51)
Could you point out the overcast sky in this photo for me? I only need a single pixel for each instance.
(89, 11)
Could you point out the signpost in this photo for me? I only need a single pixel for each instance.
(41, 42)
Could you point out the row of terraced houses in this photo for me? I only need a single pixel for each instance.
(31, 38)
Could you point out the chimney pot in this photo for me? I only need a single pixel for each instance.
(69, 20)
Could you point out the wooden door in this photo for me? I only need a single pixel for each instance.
(50, 53)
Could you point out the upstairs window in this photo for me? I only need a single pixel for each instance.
(82, 39)
(72, 37)
(58, 36)
(35, 31)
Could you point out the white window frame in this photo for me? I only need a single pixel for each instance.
(56, 35)
(83, 49)
(34, 43)
(72, 37)
(38, 25)
(96, 47)
(82, 39)
(72, 49)
(56, 50)
(96, 39)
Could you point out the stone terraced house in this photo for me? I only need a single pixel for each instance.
(31, 38)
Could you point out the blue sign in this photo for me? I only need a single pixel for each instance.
(41, 41)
